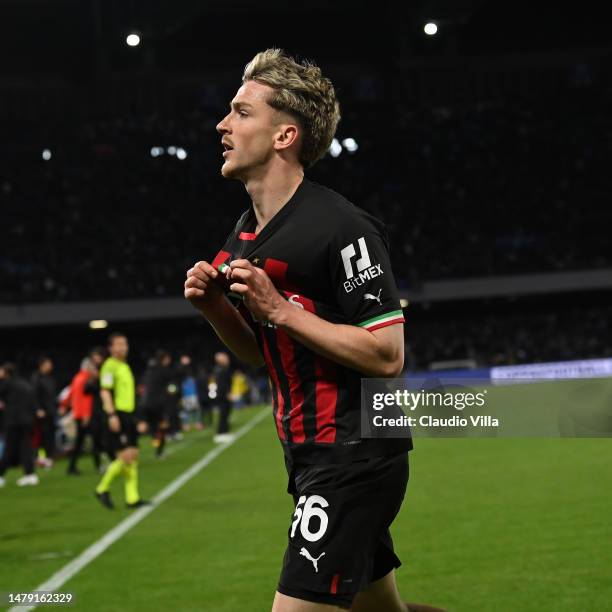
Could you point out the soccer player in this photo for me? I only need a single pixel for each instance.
(318, 305)
(118, 394)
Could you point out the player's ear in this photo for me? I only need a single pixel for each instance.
(286, 135)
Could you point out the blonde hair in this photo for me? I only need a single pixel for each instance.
(303, 92)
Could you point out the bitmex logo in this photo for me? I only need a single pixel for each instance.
(348, 252)
(364, 272)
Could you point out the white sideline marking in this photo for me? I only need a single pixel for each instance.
(69, 570)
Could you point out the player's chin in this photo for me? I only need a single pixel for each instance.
(230, 171)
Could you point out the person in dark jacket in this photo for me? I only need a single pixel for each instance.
(46, 396)
(98, 426)
(18, 402)
(223, 379)
(158, 384)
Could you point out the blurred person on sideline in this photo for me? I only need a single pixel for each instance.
(203, 380)
(99, 420)
(222, 376)
(156, 400)
(239, 389)
(191, 413)
(118, 394)
(81, 403)
(18, 399)
(46, 395)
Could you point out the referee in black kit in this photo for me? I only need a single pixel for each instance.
(312, 296)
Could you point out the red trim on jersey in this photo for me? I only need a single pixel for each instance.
(326, 399)
(304, 301)
(279, 396)
(334, 584)
(247, 236)
(221, 257)
(385, 324)
(296, 416)
(276, 269)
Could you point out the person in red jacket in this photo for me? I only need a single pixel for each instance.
(82, 402)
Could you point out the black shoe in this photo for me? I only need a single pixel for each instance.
(139, 504)
(73, 472)
(105, 500)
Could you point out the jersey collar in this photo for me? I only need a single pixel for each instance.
(275, 222)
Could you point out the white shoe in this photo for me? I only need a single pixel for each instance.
(224, 438)
(30, 480)
(2, 482)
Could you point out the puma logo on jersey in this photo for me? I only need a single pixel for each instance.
(369, 296)
(306, 554)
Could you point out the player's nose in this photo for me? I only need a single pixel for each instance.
(222, 126)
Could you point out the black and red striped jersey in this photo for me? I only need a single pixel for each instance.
(329, 257)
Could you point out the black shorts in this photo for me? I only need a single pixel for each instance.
(339, 540)
(127, 436)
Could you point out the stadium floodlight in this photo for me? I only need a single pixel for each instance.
(181, 153)
(171, 150)
(46, 154)
(430, 28)
(132, 40)
(350, 145)
(157, 151)
(98, 324)
(336, 148)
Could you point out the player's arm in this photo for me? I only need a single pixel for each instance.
(205, 293)
(378, 353)
(108, 404)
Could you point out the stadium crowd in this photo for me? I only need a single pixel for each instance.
(501, 185)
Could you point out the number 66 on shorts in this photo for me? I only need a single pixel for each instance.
(309, 508)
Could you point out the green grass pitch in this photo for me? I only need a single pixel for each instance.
(487, 525)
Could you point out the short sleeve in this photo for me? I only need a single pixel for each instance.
(107, 376)
(361, 274)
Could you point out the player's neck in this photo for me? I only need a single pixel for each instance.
(270, 192)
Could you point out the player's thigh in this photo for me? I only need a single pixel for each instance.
(284, 603)
(380, 595)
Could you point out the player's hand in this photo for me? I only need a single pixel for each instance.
(40, 414)
(142, 427)
(201, 286)
(254, 285)
(114, 424)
